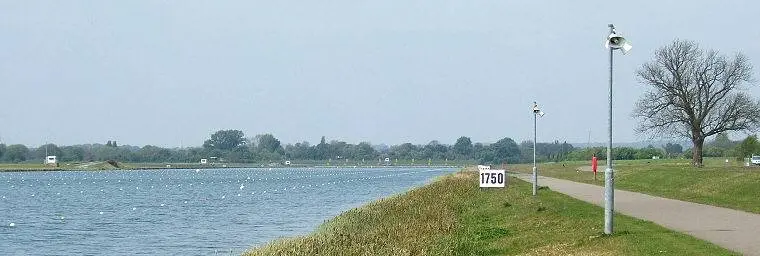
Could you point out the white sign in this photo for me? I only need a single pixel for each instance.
(492, 178)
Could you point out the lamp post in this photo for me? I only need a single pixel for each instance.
(536, 113)
(614, 42)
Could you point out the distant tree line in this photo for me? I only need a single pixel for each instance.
(234, 147)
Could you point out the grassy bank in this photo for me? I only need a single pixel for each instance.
(30, 167)
(63, 166)
(453, 216)
(101, 165)
(727, 185)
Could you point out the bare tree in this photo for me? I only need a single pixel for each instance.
(696, 94)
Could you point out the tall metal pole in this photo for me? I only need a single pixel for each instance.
(535, 175)
(609, 196)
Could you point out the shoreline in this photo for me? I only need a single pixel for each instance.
(202, 167)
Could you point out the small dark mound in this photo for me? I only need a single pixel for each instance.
(113, 163)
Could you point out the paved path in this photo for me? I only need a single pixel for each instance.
(735, 230)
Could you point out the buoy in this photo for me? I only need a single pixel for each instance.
(12, 224)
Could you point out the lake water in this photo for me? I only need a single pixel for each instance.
(187, 212)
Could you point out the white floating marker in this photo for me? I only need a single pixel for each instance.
(12, 224)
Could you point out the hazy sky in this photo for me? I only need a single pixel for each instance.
(170, 73)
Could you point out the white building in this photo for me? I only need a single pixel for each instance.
(51, 160)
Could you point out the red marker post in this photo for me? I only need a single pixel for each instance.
(593, 165)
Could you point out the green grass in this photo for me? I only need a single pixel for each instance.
(25, 166)
(83, 166)
(62, 166)
(731, 186)
(452, 216)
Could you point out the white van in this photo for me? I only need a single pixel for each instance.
(755, 160)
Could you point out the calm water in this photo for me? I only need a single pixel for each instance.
(188, 212)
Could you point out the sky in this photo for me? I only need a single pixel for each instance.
(170, 73)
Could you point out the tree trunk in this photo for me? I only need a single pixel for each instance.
(696, 152)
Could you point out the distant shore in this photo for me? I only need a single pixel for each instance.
(104, 166)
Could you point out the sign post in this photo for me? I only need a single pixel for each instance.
(492, 178)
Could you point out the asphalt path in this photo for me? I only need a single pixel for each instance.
(732, 229)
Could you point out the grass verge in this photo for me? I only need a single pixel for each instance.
(732, 186)
(452, 216)
(63, 166)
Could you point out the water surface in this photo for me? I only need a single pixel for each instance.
(187, 212)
